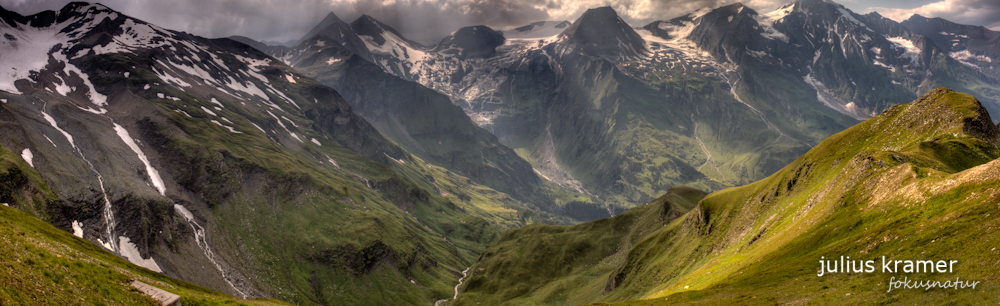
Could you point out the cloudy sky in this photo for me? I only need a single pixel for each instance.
(430, 20)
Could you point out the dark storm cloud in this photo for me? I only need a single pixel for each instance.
(422, 20)
(430, 20)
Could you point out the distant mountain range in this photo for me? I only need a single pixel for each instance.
(716, 98)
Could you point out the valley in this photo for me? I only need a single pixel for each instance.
(690, 160)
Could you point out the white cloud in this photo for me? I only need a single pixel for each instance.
(974, 12)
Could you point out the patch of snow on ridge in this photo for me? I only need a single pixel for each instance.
(77, 229)
(129, 250)
(154, 175)
(847, 15)
(210, 112)
(27, 156)
(678, 37)
(62, 88)
(823, 95)
(52, 122)
(768, 20)
(29, 52)
(32, 47)
(95, 97)
(231, 129)
(779, 13)
(909, 49)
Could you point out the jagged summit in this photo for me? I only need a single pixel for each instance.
(472, 42)
(331, 19)
(332, 27)
(371, 27)
(600, 32)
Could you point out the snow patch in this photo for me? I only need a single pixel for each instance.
(154, 175)
(62, 88)
(258, 127)
(767, 21)
(289, 78)
(163, 75)
(77, 229)
(95, 97)
(27, 156)
(50, 141)
(316, 142)
(824, 96)
(231, 129)
(846, 14)
(129, 251)
(52, 122)
(210, 112)
(216, 102)
(29, 52)
(909, 49)
(779, 13)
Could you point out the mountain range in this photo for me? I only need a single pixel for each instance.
(716, 98)
(357, 166)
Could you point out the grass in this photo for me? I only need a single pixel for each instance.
(44, 265)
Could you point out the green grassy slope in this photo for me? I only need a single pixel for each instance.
(566, 264)
(917, 182)
(44, 265)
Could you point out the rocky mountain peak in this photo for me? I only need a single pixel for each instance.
(369, 26)
(472, 42)
(332, 27)
(600, 32)
(330, 23)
